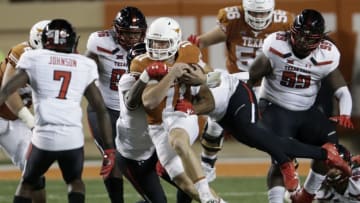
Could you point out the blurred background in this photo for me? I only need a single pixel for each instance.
(195, 16)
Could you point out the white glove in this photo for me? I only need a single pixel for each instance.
(26, 116)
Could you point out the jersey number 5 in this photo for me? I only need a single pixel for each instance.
(115, 77)
(65, 76)
(293, 80)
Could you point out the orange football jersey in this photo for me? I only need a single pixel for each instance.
(187, 53)
(243, 43)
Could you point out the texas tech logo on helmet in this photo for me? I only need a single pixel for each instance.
(59, 36)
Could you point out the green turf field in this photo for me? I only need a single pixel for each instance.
(233, 190)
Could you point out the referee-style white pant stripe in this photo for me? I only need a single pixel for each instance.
(252, 113)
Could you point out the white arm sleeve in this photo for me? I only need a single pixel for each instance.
(345, 100)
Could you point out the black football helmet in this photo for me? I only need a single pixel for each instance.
(60, 36)
(130, 27)
(307, 32)
(137, 49)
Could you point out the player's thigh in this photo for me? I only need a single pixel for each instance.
(281, 121)
(71, 163)
(166, 155)
(188, 123)
(38, 162)
(15, 141)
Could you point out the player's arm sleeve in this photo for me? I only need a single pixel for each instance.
(341, 91)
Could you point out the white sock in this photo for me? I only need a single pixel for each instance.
(202, 186)
(276, 194)
(313, 182)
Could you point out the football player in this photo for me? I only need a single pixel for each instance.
(243, 29)
(59, 78)
(293, 64)
(173, 128)
(109, 49)
(16, 128)
(137, 157)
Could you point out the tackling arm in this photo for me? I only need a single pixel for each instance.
(133, 96)
(155, 93)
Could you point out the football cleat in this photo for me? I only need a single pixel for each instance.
(211, 201)
(334, 159)
(290, 178)
(301, 196)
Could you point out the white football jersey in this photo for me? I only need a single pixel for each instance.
(59, 81)
(112, 65)
(222, 94)
(294, 83)
(132, 140)
(351, 194)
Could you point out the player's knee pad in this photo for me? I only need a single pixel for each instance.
(210, 142)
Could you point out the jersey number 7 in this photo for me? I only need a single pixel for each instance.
(65, 76)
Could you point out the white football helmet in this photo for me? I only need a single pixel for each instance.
(258, 13)
(35, 34)
(165, 31)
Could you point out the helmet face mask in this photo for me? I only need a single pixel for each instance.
(258, 13)
(129, 26)
(307, 32)
(35, 34)
(60, 36)
(163, 38)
